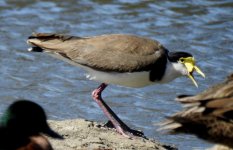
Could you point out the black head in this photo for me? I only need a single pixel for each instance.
(188, 63)
(28, 118)
(175, 56)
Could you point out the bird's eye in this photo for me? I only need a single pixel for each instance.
(181, 59)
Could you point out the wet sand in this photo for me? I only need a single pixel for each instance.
(83, 134)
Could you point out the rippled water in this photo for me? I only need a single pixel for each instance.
(204, 28)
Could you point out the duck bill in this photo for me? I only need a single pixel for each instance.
(193, 80)
(52, 133)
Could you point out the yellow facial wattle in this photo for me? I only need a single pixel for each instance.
(189, 63)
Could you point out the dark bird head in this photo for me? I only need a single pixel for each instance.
(26, 118)
(188, 62)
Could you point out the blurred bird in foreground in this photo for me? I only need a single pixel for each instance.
(209, 115)
(21, 125)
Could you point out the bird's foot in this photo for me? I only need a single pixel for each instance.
(125, 130)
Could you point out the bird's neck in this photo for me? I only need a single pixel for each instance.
(173, 71)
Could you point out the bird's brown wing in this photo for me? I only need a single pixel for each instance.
(208, 115)
(220, 90)
(217, 100)
(114, 52)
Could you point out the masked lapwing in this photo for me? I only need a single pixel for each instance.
(125, 60)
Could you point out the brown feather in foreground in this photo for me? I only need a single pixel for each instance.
(208, 115)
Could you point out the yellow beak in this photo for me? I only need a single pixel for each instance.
(193, 80)
(189, 63)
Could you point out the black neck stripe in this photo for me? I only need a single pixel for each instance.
(158, 69)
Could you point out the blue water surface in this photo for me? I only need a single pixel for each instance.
(201, 27)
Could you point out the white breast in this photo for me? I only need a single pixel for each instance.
(173, 71)
(135, 79)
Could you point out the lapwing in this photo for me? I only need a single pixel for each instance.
(119, 59)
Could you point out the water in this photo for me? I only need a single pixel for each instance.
(204, 28)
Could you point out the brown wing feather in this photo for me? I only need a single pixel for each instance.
(217, 100)
(221, 90)
(124, 53)
(209, 115)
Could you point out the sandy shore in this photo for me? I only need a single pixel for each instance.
(82, 134)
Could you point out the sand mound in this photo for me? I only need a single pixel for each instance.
(83, 134)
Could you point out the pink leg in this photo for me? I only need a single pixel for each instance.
(120, 126)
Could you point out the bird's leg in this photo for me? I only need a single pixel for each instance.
(120, 126)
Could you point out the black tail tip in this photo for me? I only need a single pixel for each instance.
(35, 49)
(31, 37)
